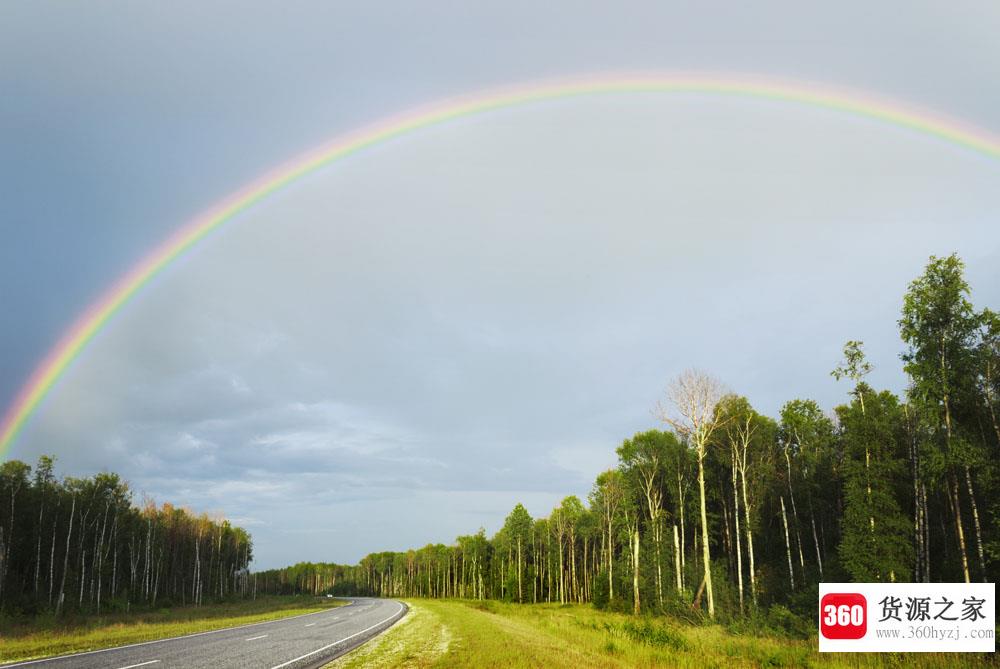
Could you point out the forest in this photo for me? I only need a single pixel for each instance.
(81, 545)
(725, 512)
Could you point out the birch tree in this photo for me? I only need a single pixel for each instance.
(938, 325)
(695, 396)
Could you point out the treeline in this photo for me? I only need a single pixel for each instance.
(730, 510)
(81, 545)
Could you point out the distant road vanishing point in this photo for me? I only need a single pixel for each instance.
(298, 642)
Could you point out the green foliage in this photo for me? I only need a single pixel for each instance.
(646, 632)
(80, 545)
(600, 596)
(876, 534)
(781, 620)
(854, 366)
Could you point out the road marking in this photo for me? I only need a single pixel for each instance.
(171, 638)
(331, 645)
(141, 664)
(254, 638)
(310, 624)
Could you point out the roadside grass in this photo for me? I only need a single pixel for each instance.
(417, 640)
(43, 636)
(453, 633)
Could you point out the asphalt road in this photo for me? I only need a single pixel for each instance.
(304, 641)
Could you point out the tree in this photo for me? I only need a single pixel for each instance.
(13, 479)
(643, 458)
(988, 365)
(694, 395)
(607, 498)
(856, 367)
(741, 434)
(807, 435)
(938, 325)
(518, 527)
(874, 480)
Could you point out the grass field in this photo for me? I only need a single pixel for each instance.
(487, 634)
(44, 636)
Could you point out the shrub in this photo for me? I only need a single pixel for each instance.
(783, 621)
(600, 591)
(647, 633)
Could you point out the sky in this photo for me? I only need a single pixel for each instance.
(403, 345)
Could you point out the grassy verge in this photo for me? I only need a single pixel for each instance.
(489, 634)
(44, 636)
(418, 640)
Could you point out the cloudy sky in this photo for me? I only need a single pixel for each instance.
(405, 344)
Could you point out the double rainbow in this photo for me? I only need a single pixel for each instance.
(72, 343)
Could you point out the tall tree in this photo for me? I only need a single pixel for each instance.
(938, 325)
(988, 367)
(855, 366)
(607, 498)
(694, 396)
(643, 457)
(807, 435)
(875, 443)
(518, 527)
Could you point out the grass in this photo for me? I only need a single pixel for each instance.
(46, 635)
(452, 633)
(417, 640)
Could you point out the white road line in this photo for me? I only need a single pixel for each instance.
(254, 638)
(310, 624)
(141, 664)
(331, 645)
(171, 638)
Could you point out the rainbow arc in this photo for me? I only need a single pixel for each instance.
(97, 316)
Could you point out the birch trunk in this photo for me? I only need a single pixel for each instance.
(739, 551)
(677, 560)
(635, 568)
(957, 511)
(795, 516)
(69, 535)
(819, 556)
(788, 546)
(704, 533)
(975, 522)
(750, 552)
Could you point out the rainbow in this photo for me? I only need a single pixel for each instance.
(75, 340)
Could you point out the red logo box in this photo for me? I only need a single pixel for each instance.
(843, 615)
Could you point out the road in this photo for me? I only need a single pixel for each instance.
(298, 642)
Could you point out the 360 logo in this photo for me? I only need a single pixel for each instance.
(843, 615)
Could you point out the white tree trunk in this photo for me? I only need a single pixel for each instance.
(706, 554)
(788, 546)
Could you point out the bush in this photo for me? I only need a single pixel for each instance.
(600, 590)
(783, 621)
(679, 608)
(620, 605)
(485, 605)
(647, 633)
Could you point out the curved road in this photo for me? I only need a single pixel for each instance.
(310, 640)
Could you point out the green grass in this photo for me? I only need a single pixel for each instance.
(47, 635)
(489, 634)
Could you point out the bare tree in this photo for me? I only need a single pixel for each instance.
(694, 396)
